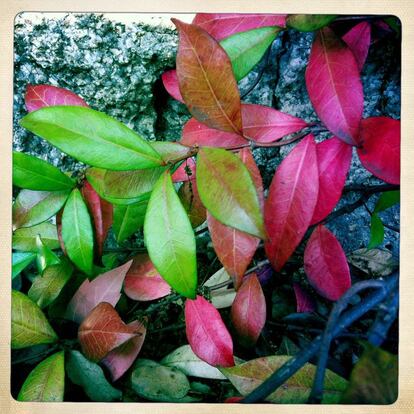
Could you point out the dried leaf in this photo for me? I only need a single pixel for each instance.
(374, 262)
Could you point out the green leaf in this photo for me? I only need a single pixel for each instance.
(46, 383)
(170, 238)
(35, 207)
(227, 191)
(35, 174)
(25, 239)
(47, 287)
(128, 219)
(246, 377)
(77, 232)
(92, 137)
(155, 382)
(309, 22)
(170, 151)
(45, 256)
(91, 378)
(29, 324)
(387, 200)
(245, 49)
(20, 261)
(377, 232)
(374, 379)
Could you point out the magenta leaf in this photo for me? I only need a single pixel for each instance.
(181, 173)
(326, 265)
(334, 86)
(380, 148)
(304, 302)
(358, 40)
(170, 82)
(39, 96)
(206, 333)
(334, 159)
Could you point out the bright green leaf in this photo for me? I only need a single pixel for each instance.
(46, 383)
(91, 378)
(128, 219)
(227, 191)
(47, 287)
(77, 232)
(377, 232)
(170, 238)
(245, 49)
(309, 22)
(35, 207)
(45, 256)
(35, 174)
(25, 239)
(387, 200)
(29, 324)
(20, 261)
(92, 137)
(246, 377)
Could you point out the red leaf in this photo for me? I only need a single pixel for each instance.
(206, 79)
(170, 82)
(206, 333)
(232, 400)
(119, 360)
(235, 249)
(326, 265)
(264, 124)
(334, 86)
(196, 133)
(292, 198)
(180, 174)
(358, 40)
(101, 212)
(304, 302)
(39, 96)
(221, 25)
(248, 312)
(380, 148)
(102, 331)
(334, 159)
(104, 288)
(190, 199)
(143, 282)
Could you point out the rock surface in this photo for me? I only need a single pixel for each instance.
(117, 68)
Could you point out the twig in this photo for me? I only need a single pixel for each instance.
(370, 189)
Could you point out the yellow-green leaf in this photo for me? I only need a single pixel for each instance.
(25, 239)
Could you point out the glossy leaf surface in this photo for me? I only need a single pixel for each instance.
(358, 40)
(334, 160)
(46, 383)
(325, 264)
(89, 136)
(387, 199)
(170, 238)
(29, 325)
(248, 312)
(25, 239)
(20, 261)
(128, 219)
(334, 86)
(206, 333)
(45, 256)
(206, 79)
(170, 82)
(228, 192)
(377, 232)
(380, 148)
(309, 22)
(36, 174)
(291, 201)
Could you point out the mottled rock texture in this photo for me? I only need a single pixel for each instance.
(117, 68)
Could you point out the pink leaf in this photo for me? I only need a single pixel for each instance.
(104, 288)
(206, 333)
(170, 82)
(143, 282)
(358, 40)
(264, 124)
(196, 133)
(304, 302)
(101, 212)
(180, 174)
(334, 86)
(326, 265)
(380, 148)
(221, 25)
(334, 159)
(119, 360)
(248, 312)
(39, 96)
(290, 205)
(232, 400)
